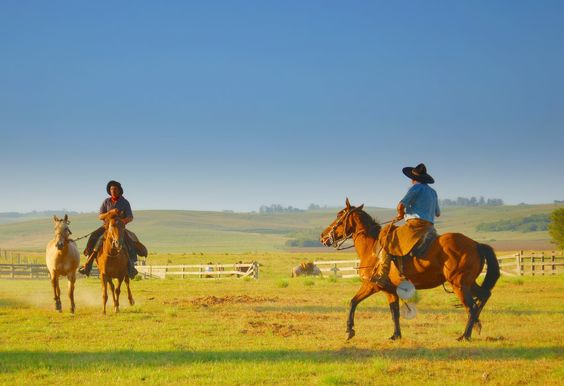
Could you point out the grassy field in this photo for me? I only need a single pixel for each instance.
(222, 232)
(276, 330)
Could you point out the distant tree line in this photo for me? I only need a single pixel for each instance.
(533, 223)
(277, 208)
(472, 201)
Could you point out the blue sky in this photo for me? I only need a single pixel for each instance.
(217, 105)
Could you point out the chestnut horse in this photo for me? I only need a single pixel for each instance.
(62, 258)
(113, 259)
(452, 258)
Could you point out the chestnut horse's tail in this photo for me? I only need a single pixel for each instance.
(492, 271)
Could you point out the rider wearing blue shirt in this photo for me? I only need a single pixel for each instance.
(418, 207)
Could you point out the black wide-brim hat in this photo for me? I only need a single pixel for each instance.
(418, 173)
(114, 183)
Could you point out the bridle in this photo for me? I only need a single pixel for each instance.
(116, 242)
(335, 242)
(64, 233)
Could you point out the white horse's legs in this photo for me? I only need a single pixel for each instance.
(72, 280)
(56, 292)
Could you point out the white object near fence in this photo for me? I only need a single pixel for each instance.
(203, 271)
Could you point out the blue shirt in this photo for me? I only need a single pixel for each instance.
(122, 204)
(421, 201)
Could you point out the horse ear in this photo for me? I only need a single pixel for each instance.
(55, 218)
(347, 203)
(360, 207)
(66, 217)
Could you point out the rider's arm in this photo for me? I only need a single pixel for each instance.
(401, 211)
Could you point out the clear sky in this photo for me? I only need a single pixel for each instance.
(234, 104)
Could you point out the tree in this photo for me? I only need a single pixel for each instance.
(556, 227)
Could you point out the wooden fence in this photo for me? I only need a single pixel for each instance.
(204, 271)
(532, 263)
(339, 268)
(32, 271)
(518, 264)
(23, 271)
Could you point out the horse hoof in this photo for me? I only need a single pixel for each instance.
(463, 338)
(131, 302)
(395, 337)
(350, 334)
(116, 310)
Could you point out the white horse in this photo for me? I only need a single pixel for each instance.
(62, 257)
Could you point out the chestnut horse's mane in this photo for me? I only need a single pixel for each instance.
(372, 226)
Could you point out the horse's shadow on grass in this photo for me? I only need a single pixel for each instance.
(15, 360)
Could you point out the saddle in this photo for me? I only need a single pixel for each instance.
(140, 249)
(419, 250)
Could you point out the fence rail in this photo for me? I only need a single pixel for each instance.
(203, 271)
(533, 263)
(518, 264)
(23, 271)
(339, 268)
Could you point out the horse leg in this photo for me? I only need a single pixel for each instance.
(113, 289)
(72, 280)
(481, 297)
(363, 292)
(118, 291)
(129, 294)
(56, 292)
(104, 291)
(393, 301)
(464, 293)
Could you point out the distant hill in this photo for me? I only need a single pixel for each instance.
(173, 231)
(9, 217)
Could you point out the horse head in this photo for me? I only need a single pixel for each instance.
(62, 231)
(115, 228)
(343, 227)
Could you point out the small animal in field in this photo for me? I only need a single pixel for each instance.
(306, 269)
(62, 258)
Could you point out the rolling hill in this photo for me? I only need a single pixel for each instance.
(171, 231)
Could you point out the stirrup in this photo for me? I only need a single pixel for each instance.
(84, 270)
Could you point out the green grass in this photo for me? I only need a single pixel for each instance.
(232, 331)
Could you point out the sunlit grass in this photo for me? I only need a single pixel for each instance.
(230, 331)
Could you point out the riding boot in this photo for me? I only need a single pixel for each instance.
(131, 270)
(87, 267)
(381, 278)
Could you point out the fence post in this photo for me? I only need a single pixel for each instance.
(553, 258)
(255, 269)
(521, 266)
(542, 263)
(532, 263)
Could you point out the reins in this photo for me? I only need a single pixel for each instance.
(82, 237)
